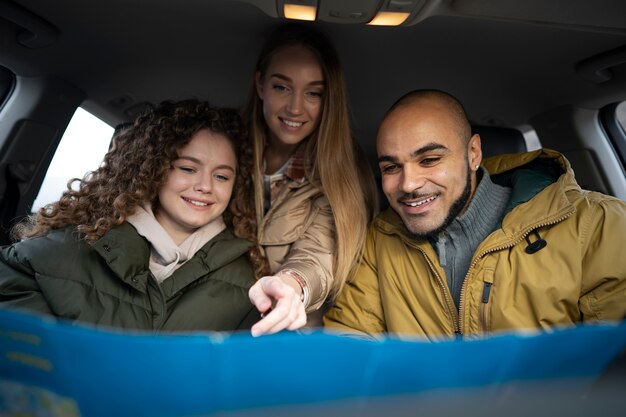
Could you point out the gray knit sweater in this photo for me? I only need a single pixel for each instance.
(456, 244)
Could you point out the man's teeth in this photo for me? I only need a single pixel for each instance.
(419, 203)
(291, 123)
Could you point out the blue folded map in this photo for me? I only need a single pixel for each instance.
(53, 368)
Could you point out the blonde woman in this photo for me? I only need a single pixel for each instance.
(314, 194)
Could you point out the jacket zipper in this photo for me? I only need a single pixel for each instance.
(159, 311)
(521, 237)
(445, 291)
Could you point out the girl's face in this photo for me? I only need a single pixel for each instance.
(292, 92)
(199, 185)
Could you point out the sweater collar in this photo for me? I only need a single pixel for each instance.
(165, 256)
(456, 244)
(484, 211)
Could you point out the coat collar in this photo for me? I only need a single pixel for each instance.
(127, 254)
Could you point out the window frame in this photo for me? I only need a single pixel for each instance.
(6, 93)
(615, 132)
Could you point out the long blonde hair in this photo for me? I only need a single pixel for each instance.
(334, 160)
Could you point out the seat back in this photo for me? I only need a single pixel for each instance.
(500, 140)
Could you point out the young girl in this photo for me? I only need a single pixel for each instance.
(314, 193)
(142, 243)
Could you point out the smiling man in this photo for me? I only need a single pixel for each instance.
(470, 249)
(428, 165)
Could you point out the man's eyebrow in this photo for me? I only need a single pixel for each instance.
(285, 78)
(419, 151)
(386, 158)
(429, 148)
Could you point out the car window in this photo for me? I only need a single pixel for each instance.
(620, 115)
(613, 119)
(81, 150)
(7, 81)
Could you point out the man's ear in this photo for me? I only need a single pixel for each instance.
(475, 152)
(258, 81)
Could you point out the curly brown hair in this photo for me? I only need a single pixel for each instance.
(133, 170)
(242, 208)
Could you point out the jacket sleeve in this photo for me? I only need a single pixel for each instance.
(311, 256)
(18, 286)
(604, 262)
(358, 309)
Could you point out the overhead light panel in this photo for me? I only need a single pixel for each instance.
(300, 11)
(389, 18)
(372, 12)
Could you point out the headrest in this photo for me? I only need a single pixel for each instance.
(500, 140)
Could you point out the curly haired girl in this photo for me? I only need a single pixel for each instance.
(142, 242)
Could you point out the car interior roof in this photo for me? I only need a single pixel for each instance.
(506, 60)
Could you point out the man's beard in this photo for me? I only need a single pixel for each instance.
(456, 208)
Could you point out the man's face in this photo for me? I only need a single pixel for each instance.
(428, 170)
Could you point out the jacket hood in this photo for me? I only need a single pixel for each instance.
(507, 162)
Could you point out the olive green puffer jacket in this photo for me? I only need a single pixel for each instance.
(110, 284)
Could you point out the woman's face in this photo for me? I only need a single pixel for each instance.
(199, 185)
(292, 91)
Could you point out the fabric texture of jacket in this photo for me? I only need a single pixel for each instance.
(110, 284)
(298, 233)
(580, 275)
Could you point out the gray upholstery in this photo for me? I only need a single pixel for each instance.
(500, 140)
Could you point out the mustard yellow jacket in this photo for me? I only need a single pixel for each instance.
(580, 275)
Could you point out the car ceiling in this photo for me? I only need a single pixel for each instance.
(506, 60)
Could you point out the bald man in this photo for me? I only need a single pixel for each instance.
(469, 248)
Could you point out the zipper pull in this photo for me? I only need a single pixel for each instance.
(537, 245)
(486, 291)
